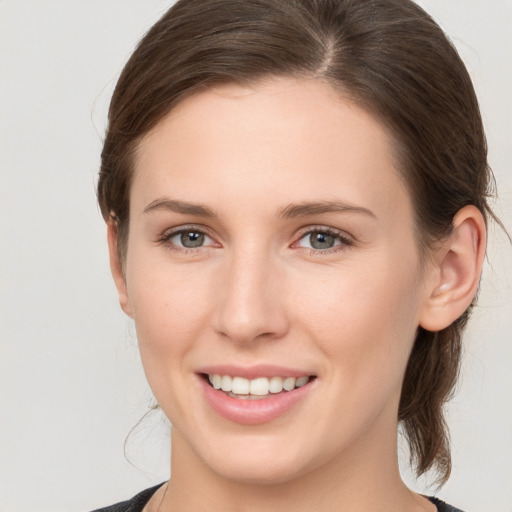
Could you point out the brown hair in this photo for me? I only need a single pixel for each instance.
(390, 58)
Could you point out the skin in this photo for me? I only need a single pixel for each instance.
(258, 292)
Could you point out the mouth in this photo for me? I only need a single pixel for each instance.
(254, 395)
(255, 389)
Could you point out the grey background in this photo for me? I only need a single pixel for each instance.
(71, 385)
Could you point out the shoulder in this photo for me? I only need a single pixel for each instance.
(136, 504)
(442, 506)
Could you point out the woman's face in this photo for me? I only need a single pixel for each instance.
(271, 238)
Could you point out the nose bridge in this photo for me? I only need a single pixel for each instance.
(250, 305)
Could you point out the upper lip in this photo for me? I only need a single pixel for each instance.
(253, 372)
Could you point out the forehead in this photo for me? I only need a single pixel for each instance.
(281, 137)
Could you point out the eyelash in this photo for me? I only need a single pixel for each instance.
(344, 240)
(165, 239)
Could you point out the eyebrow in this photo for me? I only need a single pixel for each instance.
(319, 207)
(173, 205)
(293, 210)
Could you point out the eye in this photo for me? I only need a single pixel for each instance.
(186, 239)
(189, 239)
(323, 239)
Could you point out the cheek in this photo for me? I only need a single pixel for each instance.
(364, 320)
(169, 314)
(169, 307)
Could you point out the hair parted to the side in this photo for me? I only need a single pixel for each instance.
(387, 56)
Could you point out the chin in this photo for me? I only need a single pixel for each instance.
(258, 463)
(258, 473)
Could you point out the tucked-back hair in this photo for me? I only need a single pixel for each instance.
(387, 56)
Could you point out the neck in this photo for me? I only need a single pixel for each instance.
(366, 479)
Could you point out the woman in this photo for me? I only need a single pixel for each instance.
(295, 197)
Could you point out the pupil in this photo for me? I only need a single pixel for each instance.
(321, 240)
(191, 239)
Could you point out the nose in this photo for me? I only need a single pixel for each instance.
(250, 301)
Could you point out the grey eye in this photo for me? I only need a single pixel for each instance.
(191, 239)
(323, 240)
(319, 240)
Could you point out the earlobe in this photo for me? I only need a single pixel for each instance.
(117, 269)
(457, 271)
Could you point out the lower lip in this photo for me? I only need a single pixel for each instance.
(254, 412)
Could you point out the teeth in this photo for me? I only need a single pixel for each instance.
(275, 385)
(301, 381)
(226, 383)
(240, 386)
(289, 383)
(215, 381)
(259, 387)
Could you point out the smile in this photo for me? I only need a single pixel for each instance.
(240, 387)
(254, 399)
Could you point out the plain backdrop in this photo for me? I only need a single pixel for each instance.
(71, 384)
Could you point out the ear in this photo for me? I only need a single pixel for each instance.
(456, 272)
(116, 268)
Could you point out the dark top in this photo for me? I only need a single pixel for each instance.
(139, 501)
